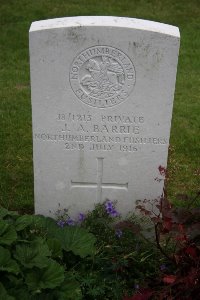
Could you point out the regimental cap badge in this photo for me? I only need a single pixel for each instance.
(102, 76)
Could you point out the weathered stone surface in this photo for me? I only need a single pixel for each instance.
(102, 96)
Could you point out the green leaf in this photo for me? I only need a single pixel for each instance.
(69, 290)
(41, 246)
(15, 280)
(55, 247)
(4, 213)
(47, 224)
(33, 255)
(49, 277)
(17, 288)
(22, 294)
(78, 240)
(145, 255)
(3, 293)
(6, 263)
(7, 233)
(44, 296)
(23, 221)
(75, 239)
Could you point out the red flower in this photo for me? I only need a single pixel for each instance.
(169, 279)
(191, 251)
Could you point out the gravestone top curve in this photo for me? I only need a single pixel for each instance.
(105, 21)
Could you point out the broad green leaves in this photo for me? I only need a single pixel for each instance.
(34, 254)
(77, 240)
(72, 238)
(70, 290)
(49, 277)
(3, 293)
(6, 213)
(7, 233)
(55, 247)
(6, 263)
(23, 222)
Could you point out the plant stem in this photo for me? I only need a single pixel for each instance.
(159, 247)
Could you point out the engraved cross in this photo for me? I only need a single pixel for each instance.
(99, 185)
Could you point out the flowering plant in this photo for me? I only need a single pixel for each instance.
(99, 256)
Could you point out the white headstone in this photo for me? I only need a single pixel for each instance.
(102, 95)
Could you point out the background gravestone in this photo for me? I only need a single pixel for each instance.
(102, 96)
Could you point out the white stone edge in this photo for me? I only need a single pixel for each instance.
(105, 21)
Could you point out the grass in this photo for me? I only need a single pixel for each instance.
(16, 172)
